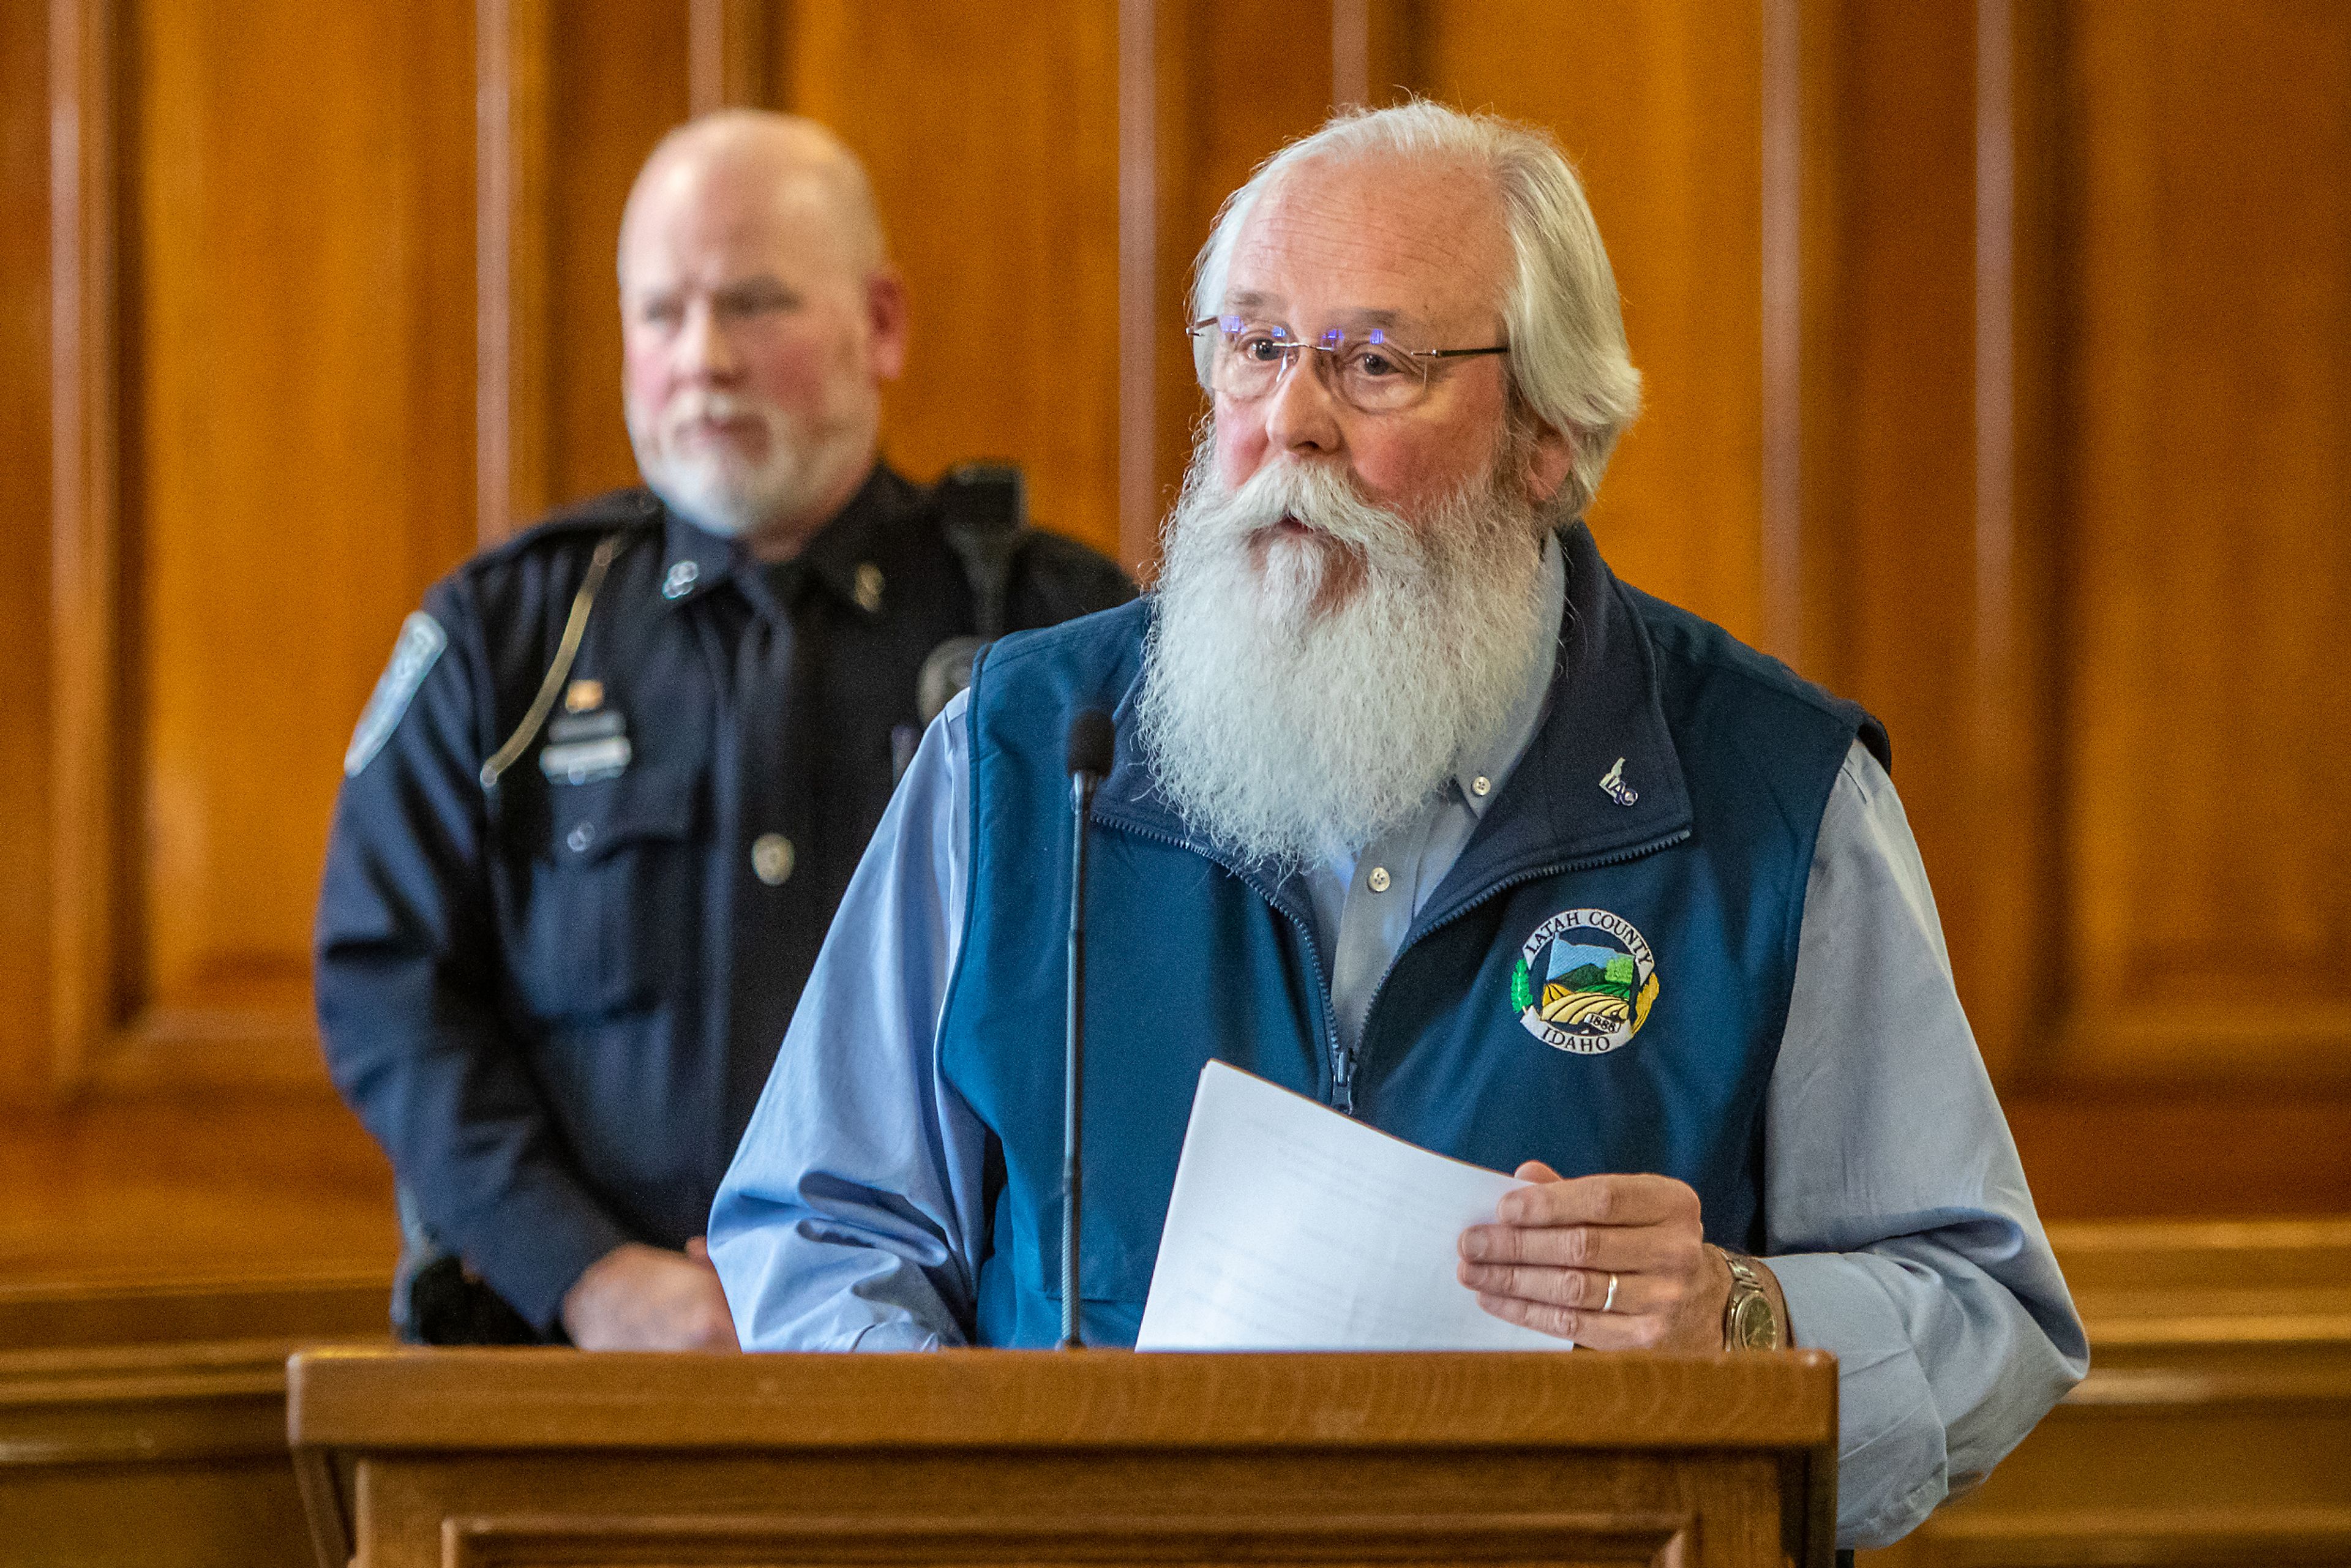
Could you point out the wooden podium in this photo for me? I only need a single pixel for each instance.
(474, 1458)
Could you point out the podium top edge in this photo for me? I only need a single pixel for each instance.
(376, 1398)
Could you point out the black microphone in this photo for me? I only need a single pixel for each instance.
(1092, 741)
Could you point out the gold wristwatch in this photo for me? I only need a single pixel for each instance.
(1748, 1321)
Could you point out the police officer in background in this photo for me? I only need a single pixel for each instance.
(603, 803)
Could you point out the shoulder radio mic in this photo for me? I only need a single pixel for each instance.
(1091, 744)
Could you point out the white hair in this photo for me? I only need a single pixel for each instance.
(1569, 367)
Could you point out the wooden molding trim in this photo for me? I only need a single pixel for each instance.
(2149, 1045)
(1783, 202)
(2132, 1540)
(726, 56)
(86, 1315)
(512, 458)
(84, 402)
(964, 1399)
(185, 1050)
(1139, 323)
(513, 1542)
(2011, 653)
(144, 1404)
(1350, 52)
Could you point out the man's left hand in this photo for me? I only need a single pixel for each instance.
(1547, 1260)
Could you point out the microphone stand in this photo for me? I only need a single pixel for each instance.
(1083, 781)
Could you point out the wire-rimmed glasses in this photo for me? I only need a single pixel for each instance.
(1367, 371)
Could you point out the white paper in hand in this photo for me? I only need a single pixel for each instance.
(1293, 1228)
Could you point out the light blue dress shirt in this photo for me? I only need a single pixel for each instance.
(1895, 1214)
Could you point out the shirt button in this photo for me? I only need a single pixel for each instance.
(1379, 879)
(680, 577)
(771, 859)
(580, 836)
(1481, 785)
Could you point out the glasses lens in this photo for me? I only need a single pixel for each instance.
(1248, 357)
(1376, 377)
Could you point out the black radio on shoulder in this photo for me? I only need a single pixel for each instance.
(984, 511)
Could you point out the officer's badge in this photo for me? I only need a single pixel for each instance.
(1584, 982)
(419, 642)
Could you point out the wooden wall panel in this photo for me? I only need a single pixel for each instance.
(1213, 124)
(990, 131)
(2208, 575)
(1660, 106)
(617, 81)
(25, 458)
(292, 326)
(1890, 607)
(573, 96)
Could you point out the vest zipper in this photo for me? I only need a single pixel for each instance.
(1342, 1066)
(1533, 873)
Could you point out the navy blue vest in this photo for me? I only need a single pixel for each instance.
(1599, 983)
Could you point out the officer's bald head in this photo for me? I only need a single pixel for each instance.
(755, 157)
(759, 319)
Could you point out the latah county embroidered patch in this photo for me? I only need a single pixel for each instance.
(419, 642)
(1599, 981)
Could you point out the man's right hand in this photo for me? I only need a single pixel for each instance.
(637, 1297)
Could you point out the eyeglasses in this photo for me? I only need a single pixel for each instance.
(1369, 373)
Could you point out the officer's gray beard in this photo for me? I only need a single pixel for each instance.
(705, 485)
(1311, 703)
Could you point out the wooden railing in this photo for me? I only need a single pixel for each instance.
(2215, 1425)
(147, 1424)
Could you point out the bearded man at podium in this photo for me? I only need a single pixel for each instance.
(1417, 810)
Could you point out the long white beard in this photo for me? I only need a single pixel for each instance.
(1309, 705)
(709, 486)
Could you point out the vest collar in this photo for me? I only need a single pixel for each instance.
(1554, 810)
(1602, 779)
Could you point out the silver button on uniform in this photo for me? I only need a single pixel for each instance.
(680, 577)
(771, 859)
(1379, 879)
(580, 836)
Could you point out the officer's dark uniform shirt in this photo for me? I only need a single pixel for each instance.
(554, 999)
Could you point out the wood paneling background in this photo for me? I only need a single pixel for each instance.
(25, 438)
(1999, 374)
(261, 329)
(1674, 175)
(990, 130)
(2208, 571)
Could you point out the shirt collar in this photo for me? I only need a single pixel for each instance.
(1479, 774)
(694, 560)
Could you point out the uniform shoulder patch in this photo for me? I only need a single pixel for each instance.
(419, 644)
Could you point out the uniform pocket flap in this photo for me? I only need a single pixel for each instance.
(644, 801)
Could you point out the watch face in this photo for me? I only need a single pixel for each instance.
(1751, 1323)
